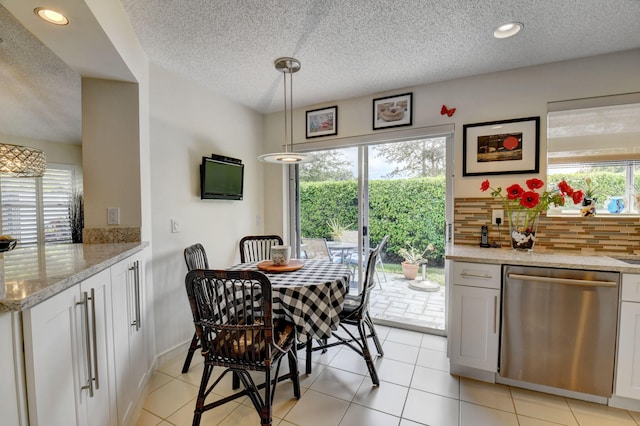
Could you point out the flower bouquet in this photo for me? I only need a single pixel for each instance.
(523, 207)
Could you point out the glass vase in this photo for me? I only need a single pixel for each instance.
(523, 225)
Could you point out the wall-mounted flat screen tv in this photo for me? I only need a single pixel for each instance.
(221, 178)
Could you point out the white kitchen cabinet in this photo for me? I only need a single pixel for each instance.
(628, 365)
(474, 326)
(127, 279)
(67, 358)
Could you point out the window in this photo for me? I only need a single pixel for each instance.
(597, 140)
(36, 210)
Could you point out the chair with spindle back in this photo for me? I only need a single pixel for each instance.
(257, 247)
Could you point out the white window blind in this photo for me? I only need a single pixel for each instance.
(36, 209)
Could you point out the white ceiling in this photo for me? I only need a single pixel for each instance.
(347, 48)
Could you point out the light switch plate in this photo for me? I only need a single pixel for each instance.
(175, 226)
(113, 215)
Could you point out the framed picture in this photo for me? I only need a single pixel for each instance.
(392, 111)
(322, 122)
(501, 147)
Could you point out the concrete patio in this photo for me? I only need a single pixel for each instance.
(396, 301)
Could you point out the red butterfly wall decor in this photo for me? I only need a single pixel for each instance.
(447, 112)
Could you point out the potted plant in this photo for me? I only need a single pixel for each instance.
(413, 258)
(336, 229)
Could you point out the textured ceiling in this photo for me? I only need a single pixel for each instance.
(347, 48)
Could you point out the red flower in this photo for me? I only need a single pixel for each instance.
(485, 185)
(530, 199)
(565, 188)
(514, 192)
(577, 196)
(534, 184)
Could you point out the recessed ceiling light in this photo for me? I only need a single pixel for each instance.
(507, 30)
(51, 16)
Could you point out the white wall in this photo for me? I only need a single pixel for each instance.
(188, 122)
(498, 96)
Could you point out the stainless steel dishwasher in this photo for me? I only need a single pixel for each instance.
(559, 328)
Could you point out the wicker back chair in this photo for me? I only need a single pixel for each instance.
(232, 313)
(257, 247)
(316, 248)
(356, 312)
(196, 258)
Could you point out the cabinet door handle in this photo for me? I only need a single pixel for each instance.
(85, 302)
(95, 337)
(136, 288)
(495, 314)
(472, 275)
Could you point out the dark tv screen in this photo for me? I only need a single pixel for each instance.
(221, 179)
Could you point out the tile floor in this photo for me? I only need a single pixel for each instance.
(416, 389)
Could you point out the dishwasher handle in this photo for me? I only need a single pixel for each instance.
(568, 281)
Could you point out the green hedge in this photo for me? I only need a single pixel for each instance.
(409, 210)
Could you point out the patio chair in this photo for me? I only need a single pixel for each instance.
(257, 247)
(356, 313)
(316, 248)
(196, 258)
(232, 314)
(353, 261)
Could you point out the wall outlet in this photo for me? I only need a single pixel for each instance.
(497, 214)
(175, 226)
(113, 215)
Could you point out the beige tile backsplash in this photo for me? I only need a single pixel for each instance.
(588, 235)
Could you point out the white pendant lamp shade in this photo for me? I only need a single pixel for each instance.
(287, 66)
(21, 161)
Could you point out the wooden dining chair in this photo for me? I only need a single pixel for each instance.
(257, 247)
(356, 313)
(232, 313)
(196, 258)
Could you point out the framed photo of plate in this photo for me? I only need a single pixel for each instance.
(393, 111)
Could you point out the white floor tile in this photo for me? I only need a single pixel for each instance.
(169, 398)
(542, 406)
(436, 381)
(393, 371)
(530, 421)
(388, 397)
(590, 414)
(350, 360)
(317, 409)
(358, 415)
(490, 395)
(148, 419)
(338, 383)
(405, 422)
(184, 416)
(477, 415)
(437, 343)
(433, 359)
(157, 380)
(407, 337)
(400, 352)
(431, 409)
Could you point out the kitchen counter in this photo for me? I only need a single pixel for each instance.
(544, 258)
(29, 275)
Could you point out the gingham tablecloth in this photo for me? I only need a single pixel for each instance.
(311, 297)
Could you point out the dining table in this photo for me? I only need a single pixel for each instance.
(312, 296)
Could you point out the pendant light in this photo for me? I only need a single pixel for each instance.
(287, 66)
(21, 161)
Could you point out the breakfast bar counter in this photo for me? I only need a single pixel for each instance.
(29, 275)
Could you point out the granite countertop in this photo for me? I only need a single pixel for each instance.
(29, 275)
(551, 259)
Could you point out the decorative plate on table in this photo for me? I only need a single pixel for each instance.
(268, 266)
(8, 244)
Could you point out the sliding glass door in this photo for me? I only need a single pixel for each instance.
(356, 196)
